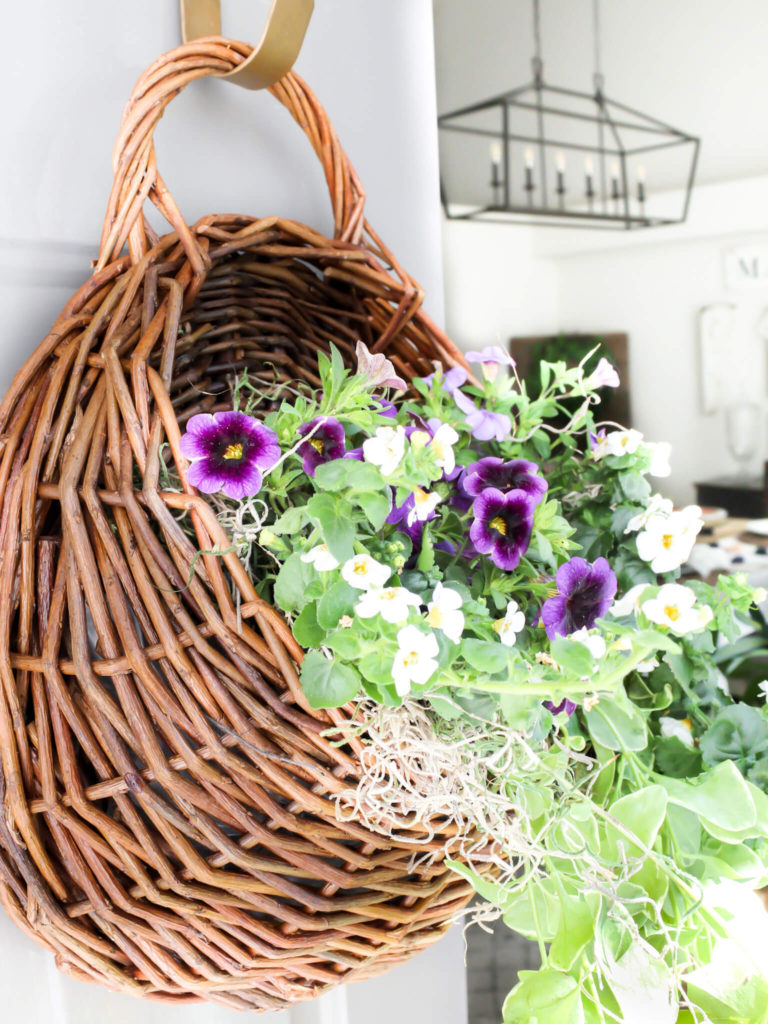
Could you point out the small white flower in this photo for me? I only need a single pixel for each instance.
(618, 442)
(415, 659)
(321, 558)
(630, 603)
(673, 606)
(759, 594)
(594, 643)
(646, 667)
(442, 443)
(444, 612)
(391, 603)
(657, 506)
(424, 504)
(763, 689)
(667, 541)
(512, 624)
(680, 728)
(385, 449)
(364, 572)
(660, 453)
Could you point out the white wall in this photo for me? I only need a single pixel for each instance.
(220, 148)
(495, 284)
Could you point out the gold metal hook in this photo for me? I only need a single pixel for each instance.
(275, 53)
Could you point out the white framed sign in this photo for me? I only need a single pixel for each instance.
(746, 266)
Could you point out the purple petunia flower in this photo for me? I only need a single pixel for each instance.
(585, 591)
(517, 474)
(325, 444)
(484, 425)
(490, 355)
(502, 526)
(565, 705)
(451, 380)
(229, 452)
(387, 408)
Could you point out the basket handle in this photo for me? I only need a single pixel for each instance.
(137, 178)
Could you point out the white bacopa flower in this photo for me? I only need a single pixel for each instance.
(679, 728)
(321, 558)
(646, 667)
(364, 572)
(391, 603)
(660, 453)
(673, 606)
(594, 643)
(629, 604)
(512, 624)
(443, 440)
(385, 449)
(763, 689)
(424, 504)
(415, 659)
(667, 541)
(444, 612)
(657, 506)
(618, 442)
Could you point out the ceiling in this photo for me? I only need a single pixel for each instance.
(699, 65)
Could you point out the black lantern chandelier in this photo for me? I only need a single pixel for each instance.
(563, 158)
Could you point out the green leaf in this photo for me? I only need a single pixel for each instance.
(340, 599)
(534, 911)
(642, 814)
(326, 682)
(485, 655)
(306, 629)
(617, 724)
(290, 589)
(290, 521)
(336, 523)
(634, 485)
(573, 656)
(576, 930)
(376, 506)
(343, 473)
(344, 642)
(426, 558)
(738, 733)
(546, 996)
(722, 799)
(376, 667)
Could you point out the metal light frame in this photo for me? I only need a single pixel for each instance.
(607, 206)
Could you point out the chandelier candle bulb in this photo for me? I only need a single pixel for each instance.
(560, 166)
(529, 185)
(589, 170)
(496, 165)
(641, 185)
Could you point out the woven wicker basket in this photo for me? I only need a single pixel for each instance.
(168, 826)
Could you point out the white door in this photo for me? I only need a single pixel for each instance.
(62, 99)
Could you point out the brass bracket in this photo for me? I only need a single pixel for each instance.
(275, 53)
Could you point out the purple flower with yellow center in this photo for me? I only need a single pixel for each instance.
(516, 474)
(502, 525)
(229, 452)
(483, 425)
(325, 444)
(585, 591)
